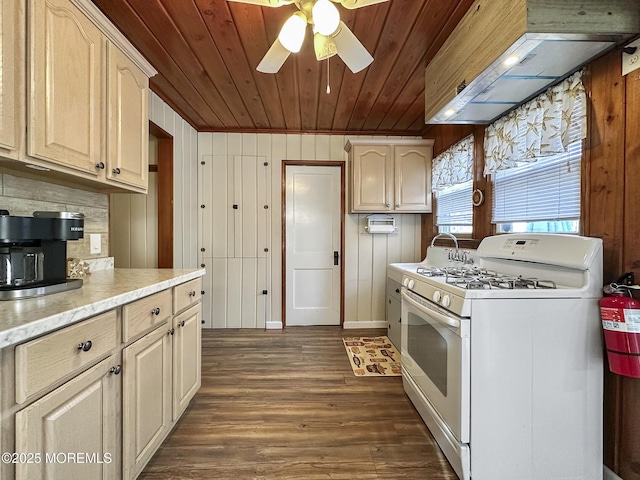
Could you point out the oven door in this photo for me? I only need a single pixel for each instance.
(435, 353)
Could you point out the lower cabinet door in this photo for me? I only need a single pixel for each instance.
(146, 398)
(187, 354)
(71, 433)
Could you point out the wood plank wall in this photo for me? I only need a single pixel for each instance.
(238, 276)
(610, 199)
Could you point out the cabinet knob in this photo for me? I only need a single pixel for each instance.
(171, 332)
(181, 324)
(116, 171)
(116, 370)
(100, 166)
(397, 205)
(85, 346)
(397, 290)
(155, 311)
(192, 293)
(388, 205)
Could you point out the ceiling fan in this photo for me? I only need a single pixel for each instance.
(330, 35)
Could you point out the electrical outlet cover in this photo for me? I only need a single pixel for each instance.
(631, 61)
(95, 241)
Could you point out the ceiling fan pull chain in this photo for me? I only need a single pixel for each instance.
(328, 86)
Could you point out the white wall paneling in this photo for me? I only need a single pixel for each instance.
(133, 223)
(185, 183)
(234, 217)
(238, 269)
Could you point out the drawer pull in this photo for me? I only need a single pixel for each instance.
(85, 346)
(181, 324)
(171, 332)
(155, 311)
(116, 370)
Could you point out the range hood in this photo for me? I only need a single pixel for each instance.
(503, 52)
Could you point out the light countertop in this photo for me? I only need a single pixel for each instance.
(103, 290)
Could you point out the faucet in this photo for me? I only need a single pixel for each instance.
(454, 256)
(446, 234)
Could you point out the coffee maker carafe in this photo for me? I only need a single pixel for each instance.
(33, 253)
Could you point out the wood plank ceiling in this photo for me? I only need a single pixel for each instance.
(206, 52)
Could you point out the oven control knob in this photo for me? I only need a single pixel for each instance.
(405, 282)
(411, 284)
(446, 301)
(436, 296)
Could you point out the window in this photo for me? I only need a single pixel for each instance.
(452, 181)
(454, 210)
(540, 197)
(533, 154)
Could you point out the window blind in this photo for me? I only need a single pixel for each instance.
(455, 205)
(548, 189)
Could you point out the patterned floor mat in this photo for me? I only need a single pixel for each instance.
(372, 356)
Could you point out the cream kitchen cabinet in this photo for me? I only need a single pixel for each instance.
(187, 355)
(162, 373)
(11, 78)
(72, 432)
(390, 175)
(394, 312)
(85, 107)
(66, 68)
(128, 123)
(146, 411)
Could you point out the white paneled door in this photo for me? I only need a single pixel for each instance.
(313, 254)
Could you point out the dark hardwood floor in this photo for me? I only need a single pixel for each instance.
(284, 404)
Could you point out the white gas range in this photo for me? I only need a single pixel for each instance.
(502, 357)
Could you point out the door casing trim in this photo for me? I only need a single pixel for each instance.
(311, 163)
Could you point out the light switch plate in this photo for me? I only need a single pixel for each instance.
(95, 242)
(631, 61)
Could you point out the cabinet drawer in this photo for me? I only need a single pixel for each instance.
(186, 295)
(145, 314)
(393, 289)
(45, 360)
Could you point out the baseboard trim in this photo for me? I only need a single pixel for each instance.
(372, 324)
(609, 475)
(273, 326)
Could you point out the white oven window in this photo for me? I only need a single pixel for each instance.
(428, 348)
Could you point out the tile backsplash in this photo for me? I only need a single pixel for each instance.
(23, 196)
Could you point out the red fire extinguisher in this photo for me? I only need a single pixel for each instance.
(620, 314)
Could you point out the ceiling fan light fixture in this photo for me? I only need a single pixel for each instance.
(292, 34)
(326, 17)
(324, 47)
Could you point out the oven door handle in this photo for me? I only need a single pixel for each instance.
(452, 322)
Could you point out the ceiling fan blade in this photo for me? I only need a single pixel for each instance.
(350, 50)
(265, 3)
(274, 58)
(351, 4)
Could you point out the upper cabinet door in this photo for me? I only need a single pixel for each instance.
(11, 77)
(66, 100)
(372, 178)
(413, 178)
(128, 132)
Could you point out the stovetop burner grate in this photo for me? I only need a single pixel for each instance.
(474, 278)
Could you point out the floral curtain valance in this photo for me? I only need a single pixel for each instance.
(543, 126)
(454, 165)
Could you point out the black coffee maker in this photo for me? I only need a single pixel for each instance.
(33, 253)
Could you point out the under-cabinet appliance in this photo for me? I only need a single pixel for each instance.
(502, 357)
(33, 253)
